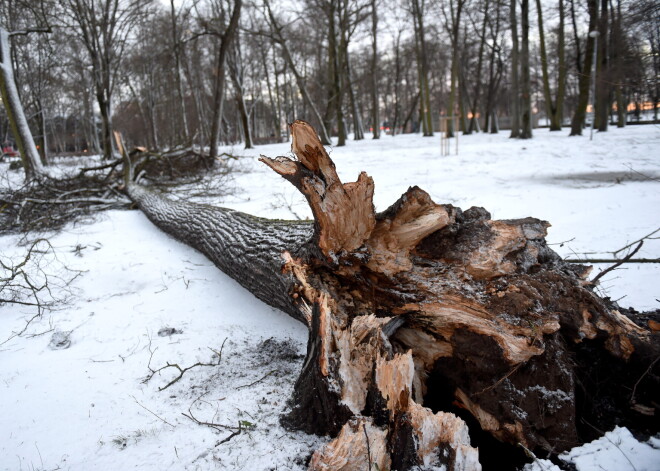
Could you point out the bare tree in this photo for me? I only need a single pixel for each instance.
(603, 87)
(426, 115)
(237, 75)
(554, 107)
(453, 26)
(104, 27)
(375, 102)
(278, 36)
(225, 35)
(579, 115)
(525, 78)
(177, 46)
(515, 79)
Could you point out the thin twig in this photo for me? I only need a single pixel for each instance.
(623, 260)
(257, 381)
(151, 412)
(182, 371)
(230, 436)
(611, 260)
(648, 370)
(212, 425)
(609, 440)
(638, 240)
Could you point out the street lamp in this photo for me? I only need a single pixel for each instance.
(594, 35)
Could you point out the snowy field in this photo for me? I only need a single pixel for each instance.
(74, 385)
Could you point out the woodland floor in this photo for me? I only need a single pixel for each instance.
(72, 384)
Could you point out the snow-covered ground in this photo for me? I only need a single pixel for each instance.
(73, 384)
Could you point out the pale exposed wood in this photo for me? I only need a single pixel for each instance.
(344, 213)
(360, 446)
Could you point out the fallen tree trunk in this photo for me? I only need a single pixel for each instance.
(425, 315)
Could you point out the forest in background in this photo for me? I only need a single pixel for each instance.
(201, 73)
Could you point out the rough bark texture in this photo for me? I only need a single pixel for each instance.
(421, 311)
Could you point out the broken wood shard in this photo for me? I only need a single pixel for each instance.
(425, 318)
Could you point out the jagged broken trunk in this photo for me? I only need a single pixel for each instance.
(423, 316)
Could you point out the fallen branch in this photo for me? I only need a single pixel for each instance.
(151, 412)
(110, 165)
(38, 279)
(647, 236)
(213, 425)
(257, 381)
(625, 259)
(182, 371)
(612, 260)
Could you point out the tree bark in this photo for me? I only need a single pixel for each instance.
(176, 51)
(474, 107)
(422, 310)
(235, 62)
(15, 114)
(515, 85)
(220, 78)
(554, 108)
(526, 83)
(426, 117)
(585, 77)
(603, 84)
(375, 102)
(454, 96)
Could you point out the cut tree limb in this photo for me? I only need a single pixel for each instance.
(419, 314)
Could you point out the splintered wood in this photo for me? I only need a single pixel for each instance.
(421, 290)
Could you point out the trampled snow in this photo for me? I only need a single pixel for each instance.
(73, 384)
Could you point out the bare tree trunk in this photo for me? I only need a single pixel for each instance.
(618, 69)
(413, 105)
(602, 99)
(43, 148)
(281, 41)
(554, 108)
(235, 62)
(358, 129)
(219, 89)
(453, 26)
(275, 107)
(526, 101)
(176, 43)
(397, 79)
(375, 102)
(474, 110)
(337, 85)
(17, 120)
(494, 75)
(420, 310)
(422, 58)
(515, 85)
(585, 77)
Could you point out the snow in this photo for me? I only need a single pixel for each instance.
(616, 450)
(73, 385)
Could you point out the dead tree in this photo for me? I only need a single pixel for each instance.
(421, 310)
